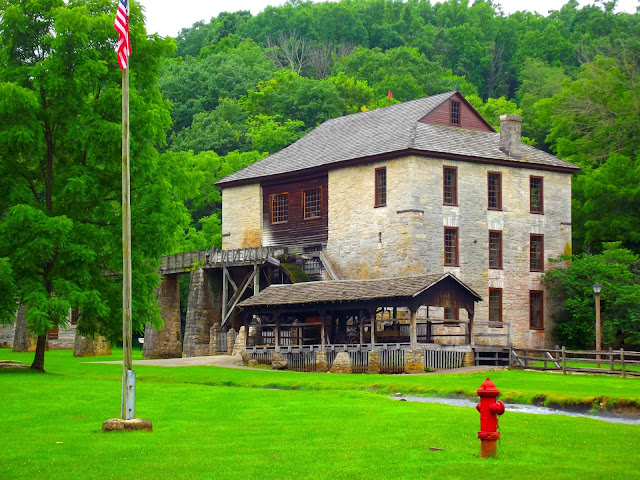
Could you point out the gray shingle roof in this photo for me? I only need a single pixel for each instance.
(387, 130)
(347, 290)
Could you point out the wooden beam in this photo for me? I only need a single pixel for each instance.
(256, 279)
(236, 297)
(225, 292)
(276, 317)
(328, 266)
(413, 333)
(233, 284)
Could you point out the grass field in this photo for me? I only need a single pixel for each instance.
(222, 423)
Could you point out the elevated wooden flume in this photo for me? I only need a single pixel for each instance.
(214, 258)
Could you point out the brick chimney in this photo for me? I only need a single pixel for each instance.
(510, 131)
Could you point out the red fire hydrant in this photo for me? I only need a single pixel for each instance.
(489, 410)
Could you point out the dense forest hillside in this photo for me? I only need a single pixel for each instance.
(243, 83)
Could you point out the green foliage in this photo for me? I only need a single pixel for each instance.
(493, 108)
(606, 204)
(195, 85)
(597, 113)
(594, 123)
(290, 95)
(355, 93)
(60, 209)
(271, 134)
(404, 70)
(7, 293)
(617, 270)
(221, 130)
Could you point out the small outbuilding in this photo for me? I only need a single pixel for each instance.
(358, 312)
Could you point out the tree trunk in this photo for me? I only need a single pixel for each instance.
(38, 360)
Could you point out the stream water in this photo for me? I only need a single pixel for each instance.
(516, 407)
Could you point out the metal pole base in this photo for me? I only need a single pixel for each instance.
(488, 448)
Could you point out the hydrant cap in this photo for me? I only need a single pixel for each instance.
(488, 387)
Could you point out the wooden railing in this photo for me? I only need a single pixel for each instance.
(615, 362)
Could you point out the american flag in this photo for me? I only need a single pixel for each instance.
(122, 27)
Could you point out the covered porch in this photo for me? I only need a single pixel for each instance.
(360, 315)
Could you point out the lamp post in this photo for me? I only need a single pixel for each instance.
(597, 287)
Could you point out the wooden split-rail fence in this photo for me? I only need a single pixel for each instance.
(612, 362)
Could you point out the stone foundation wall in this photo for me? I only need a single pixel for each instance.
(23, 341)
(240, 341)
(7, 334)
(91, 346)
(374, 362)
(414, 361)
(165, 343)
(203, 311)
(342, 363)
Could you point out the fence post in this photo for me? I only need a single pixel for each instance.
(510, 356)
(611, 359)
(624, 372)
(564, 360)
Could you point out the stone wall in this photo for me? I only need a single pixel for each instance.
(342, 363)
(7, 334)
(166, 342)
(241, 217)
(91, 346)
(406, 237)
(203, 311)
(23, 341)
(66, 338)
(414, 361)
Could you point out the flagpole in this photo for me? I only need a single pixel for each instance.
(127, 411)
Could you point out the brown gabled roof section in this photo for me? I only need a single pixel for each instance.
(469, 116)
(399, 289)
(390, 132)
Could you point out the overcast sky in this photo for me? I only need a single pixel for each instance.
(168, 17)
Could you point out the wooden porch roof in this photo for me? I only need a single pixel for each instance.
(348, 291)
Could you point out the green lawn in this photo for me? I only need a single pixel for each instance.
(217, 423)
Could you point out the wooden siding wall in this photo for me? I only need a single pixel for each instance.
(297, 231)
(468, 118)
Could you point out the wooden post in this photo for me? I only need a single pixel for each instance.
(127, 362)
(598, 329)
(256, 279)
(246, 328)
(564, 360)
(413, 334)
(225, 293)
(624, 371)
(611, 359)
(322, 331)
(277, 332)
(510, 356)
(373, 329)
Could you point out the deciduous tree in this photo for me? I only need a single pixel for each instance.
(618, 271)
(60, 222)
